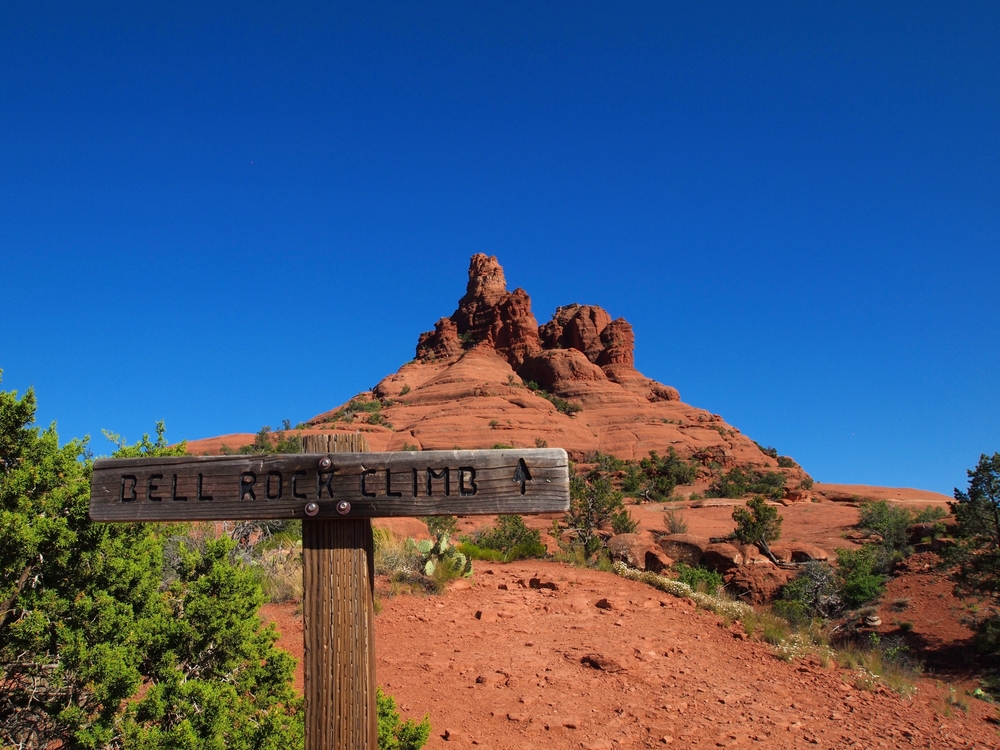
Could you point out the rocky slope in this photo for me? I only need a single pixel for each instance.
(469, 388)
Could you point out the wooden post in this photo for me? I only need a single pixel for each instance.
(338, 612)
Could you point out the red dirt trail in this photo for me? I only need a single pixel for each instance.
(548, 668)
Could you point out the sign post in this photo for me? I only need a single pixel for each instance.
(336, 494)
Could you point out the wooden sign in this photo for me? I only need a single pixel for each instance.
(330, 486)
(335, 493)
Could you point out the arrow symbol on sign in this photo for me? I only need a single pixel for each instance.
(521, 473)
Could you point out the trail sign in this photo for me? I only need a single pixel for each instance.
(336, 493)
(351, 485)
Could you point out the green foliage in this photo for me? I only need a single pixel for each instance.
(541, 443)
(623, 523)
(654, 478)
(146, 448)
(393, 732)
(858, 575)
(888, 520)
(593, 503)
(562, 405)
(977, 513)
(786, 462)
(409, 447)
(758, 523)
(512, 538)
(675, 522)
(769, 451)
(606, 462)
(363, 408)
(442, 562)
(262, 443)
(806, 483)
(216, 679)
(741, 481)
(86, 618)
(502, 447)
(815, 592)
(698, 578)
(404, 390)
(438, 525)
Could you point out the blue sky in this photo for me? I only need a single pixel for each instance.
(225, 215)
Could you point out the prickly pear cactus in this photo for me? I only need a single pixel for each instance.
(441, 552)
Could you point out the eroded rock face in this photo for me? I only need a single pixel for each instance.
(489, 315)
(467, 388)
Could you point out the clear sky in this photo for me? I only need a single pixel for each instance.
(228, 214)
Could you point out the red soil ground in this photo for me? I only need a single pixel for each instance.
(523, 674)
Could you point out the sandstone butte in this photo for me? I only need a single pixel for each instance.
(467, 388)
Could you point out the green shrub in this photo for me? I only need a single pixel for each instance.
(502, 447)
(675, 522)
(741, 481)
(888, 520)
(512, 538)
(758, 523)
(786, 462)
(475, 552)
(404, 390)
(562, 405)
(623, 523)
(813, 593)
(769, 451)
(393, 732)
(593, 503)
(654, 478)
(698, 578)
(858, 576)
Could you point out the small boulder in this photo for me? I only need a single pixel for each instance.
(808, 553)
(757, 584)
(635, 551)
(686, 548)
(721, 557)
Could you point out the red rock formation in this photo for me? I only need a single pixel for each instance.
(467, 388)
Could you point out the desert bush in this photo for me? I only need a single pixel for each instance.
(880, 660)
(262, 442)
(813, 593)
(393, 732)
(562, 405)
(858, 575)
(395, 557)
(768, 451)
(623, 523)
(888, 520)
(593, 504)
(786, 462)
(606, 462)
(510, 536)
(279, 572)
(698, 578)
(654, 478)
(675, 522)
(758, 523)
(741, 481)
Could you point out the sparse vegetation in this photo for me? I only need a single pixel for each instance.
(594, 503)
(698, 578)
(741, 481)
(393, 732)
(675, 521)
(758, 523)
(510, 537)
(404, 390)
(654, 478)
(562, 405)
